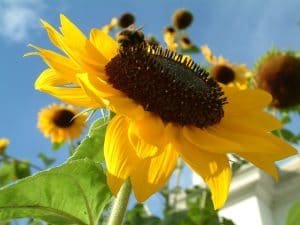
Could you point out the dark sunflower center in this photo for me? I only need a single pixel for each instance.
(177, 90)
(63, 118)
(223, 74)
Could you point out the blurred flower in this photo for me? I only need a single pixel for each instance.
(278, 73)
(125, 20)
(166, 106)
(61, 122)
(182, 18)
(108, 27)
(4, 142)
(169, 38)
(225, 72)
(186, 43)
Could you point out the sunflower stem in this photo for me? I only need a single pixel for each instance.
(120, 204)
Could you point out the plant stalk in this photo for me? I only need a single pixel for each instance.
(120, 204)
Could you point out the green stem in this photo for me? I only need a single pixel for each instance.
(120, 204)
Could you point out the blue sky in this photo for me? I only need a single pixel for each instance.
(241, 31)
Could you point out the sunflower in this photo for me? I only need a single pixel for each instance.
(60, 123)
(3, 144)
(278, 72)
(225, 72)
(166, 107)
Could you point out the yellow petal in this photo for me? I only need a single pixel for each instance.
(120, 156)
(61, 64)
(208, 54)
(152, 174)
(264, 162)
(143, 128)
(80, 48)
(126, 106)
(96, 89)
(243, 101)
(54, 36)
(51, 82)
(213, 168)
(254, 120)
(104, 43)
(142, 148)
(253, 140)
(208, 141)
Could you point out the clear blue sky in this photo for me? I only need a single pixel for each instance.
(240, 30)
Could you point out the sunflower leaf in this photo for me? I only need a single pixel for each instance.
(293, 217)
(57, 145)
(92, 146)
(73, 193)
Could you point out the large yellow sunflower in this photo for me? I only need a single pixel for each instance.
(166, 107)
(224, 72)
(60, 123)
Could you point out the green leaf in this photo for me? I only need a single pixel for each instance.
(92, 146)
(22, 169)
(293, 216)
(138, 215)
(7, 173)
(289, 135)
(57, 145)
(190, 50)
(46, 160)
(73, 193)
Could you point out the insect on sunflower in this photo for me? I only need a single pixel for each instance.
(60, 123)
(166, 107)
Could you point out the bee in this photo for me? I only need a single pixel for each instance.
(130, 37)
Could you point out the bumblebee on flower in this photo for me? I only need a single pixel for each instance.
(166, 107)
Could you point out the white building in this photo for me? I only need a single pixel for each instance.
(255, 199)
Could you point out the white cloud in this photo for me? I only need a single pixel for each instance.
(18, 18)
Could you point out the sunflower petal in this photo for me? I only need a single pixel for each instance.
(120, 156)
(153, 173)
(143, 149)
(51, 82)
(104, 43)
(143, 128)
(253, 140)
(255, 120)
(80, 48)
(243, 101)
(209, 142)
(96, 89)
(61, 64)
(54, 36)
(264, 162)
(213, 168)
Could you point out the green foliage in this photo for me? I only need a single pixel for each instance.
(46, 160)
(73, 193)
(22, 169)
(7, 173)
(191, 50)
(57, 145)
(293, 217)
(139, 215)
(198, 210)
(92, 146)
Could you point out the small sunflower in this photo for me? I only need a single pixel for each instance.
(4, 142)
(166, 107)
(58, 122)
(278, 72)
(225, 72)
